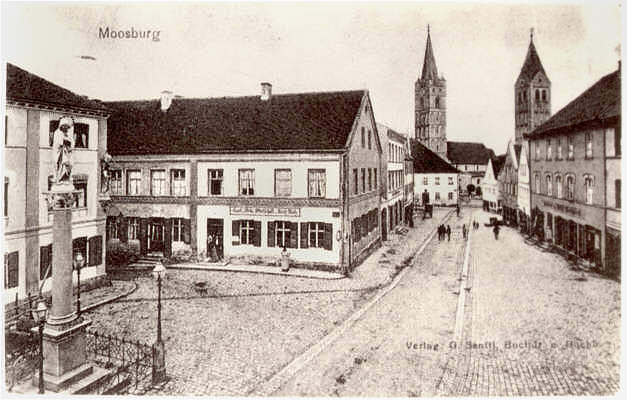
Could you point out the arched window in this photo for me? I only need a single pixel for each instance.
(437, 102)
(558, 184)
(570, 187)
(549, 186)
(588, 182)
(543, 95)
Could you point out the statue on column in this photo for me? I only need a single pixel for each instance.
(105, 172)
(62, 146)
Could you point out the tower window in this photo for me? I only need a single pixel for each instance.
(537, 95)
(437, 102)
(544, 95)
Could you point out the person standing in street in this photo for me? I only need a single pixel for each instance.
(448, 232)
(464, 231)
(496, 230)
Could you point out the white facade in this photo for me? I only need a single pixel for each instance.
(394, 148)
(524, 195)
(442, 188)
(490, 188)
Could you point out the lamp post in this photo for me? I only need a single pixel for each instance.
(158, 353)
(78, 264)
(39, 315)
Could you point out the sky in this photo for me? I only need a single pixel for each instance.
(227, 49)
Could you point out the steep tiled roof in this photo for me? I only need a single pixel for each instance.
(426, 161)
(532, 64)
(429, 70)
(468, 153)
(25, 87)
(599, 103)
(306, 121)
(497, 163)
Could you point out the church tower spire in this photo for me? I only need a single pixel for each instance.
(430, 104)
(532, 94)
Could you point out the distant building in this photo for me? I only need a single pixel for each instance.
(235, 178)
(433, 175)
(393, 207)
(33, 109)
(471, 160)
(576, 179)
(508, 183)
(490, 185)
(524, 195)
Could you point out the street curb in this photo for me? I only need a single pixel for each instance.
(251, 271)
(461, 300)
(267, 388)
(110, 299)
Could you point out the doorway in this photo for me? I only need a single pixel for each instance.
(155, 235)
(215, 236)
(384, 230)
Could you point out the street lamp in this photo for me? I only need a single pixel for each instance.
(158, 355)
(39, 315)
(78, 264)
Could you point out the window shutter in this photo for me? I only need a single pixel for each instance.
(143, 235)
(123, 232)
(186, 230)
(12, 270)
(271, 234)
(293, 235)
(327, 242)
(167, 237)
(95, 250)
(257, 233)
(235, 232)
(89, 260)
(304, 235)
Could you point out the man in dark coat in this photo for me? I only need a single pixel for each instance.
(496, 230)
(448, 232)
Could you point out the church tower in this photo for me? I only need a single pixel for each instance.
(532, 95)
(430, 105)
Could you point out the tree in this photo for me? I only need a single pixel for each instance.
(470, 188)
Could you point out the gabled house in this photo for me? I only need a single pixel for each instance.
(490, 185)
(524, 194)
(508, 183)
(434, 177)
(243, 177)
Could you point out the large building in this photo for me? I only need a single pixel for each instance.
(434, 176)
(471, 160)
(34, 107)
(242, 177)
(576, 180)
(393, 205)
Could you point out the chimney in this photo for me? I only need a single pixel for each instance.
(266, 91)
(166, 100)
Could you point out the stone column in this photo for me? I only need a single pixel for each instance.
(61, 311)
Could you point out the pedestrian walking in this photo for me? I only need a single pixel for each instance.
(496, 230)
(448, 232)
(440, 233)
(458, 209)
(464, 231)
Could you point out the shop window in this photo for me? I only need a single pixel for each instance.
(249, 232)
(133, 228)
(157, 182)
(178, 230)
(134, 182)
(177, 183)
(282, 233)
(116, 182)
(215, 181)
(246, 182)
(282, 182)
(11, 269)
(318, 182)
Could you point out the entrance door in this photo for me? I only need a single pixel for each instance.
(384, 228)
(590, 247)
(215, 236)
(155, 235)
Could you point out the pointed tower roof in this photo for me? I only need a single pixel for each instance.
(429, 70)
(532, 64)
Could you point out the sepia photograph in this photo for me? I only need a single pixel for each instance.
(312, 199)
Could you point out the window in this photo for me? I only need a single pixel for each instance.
(450, 180)
(363, 180)
(588, 144)
(356, 180)
(11, 265)
(112, 228)
(157, 182)
(369, 139)
(363, 137)
(537, 180)
(558, 184)
(318, 182)
(316, 234)
(537, 144)
(571, 148)
(80, 194)
(214, 184)
(45, 261)
(95, 251)
(178, 230)
(178, 182)
(437, 195)
(282, 232)
(549, 186)
(425, 180)
(450, 195)
(116, 182)
(588, 183)
(133, 228)
(369, 178)
(81, 135)
(617, 193)
(6, 196)
(570, 187)
(549, 149)
(543, 95)
(282, 182)
(537, 95)
(247, 229)
(79, 245)
(559, 149)
(134, 182)
(246, 182)
(376, 182)
(437, 180)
